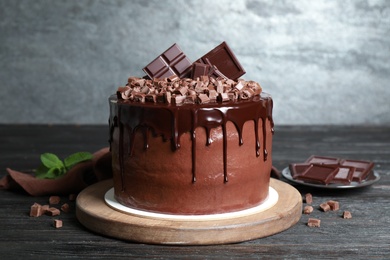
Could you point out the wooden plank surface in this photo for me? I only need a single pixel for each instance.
(366, 235)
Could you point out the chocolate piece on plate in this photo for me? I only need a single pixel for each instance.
(297, 169)
(223, 58)
(362, 168)
(322, 160)
(171, 62)
(322, 174)
(344, 175)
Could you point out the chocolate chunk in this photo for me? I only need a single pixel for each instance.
(308, 198)
(53, 211)
(72, 197)
(57, 223)
(347, 214)
(171, 62)
(324, 207)
(334, 205)
(36, 210)
(54, 200)
(200, 69)
(313, 222)
(307, 209)
(65, 207)
(224, 60)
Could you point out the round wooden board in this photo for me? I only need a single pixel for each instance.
(93, 213)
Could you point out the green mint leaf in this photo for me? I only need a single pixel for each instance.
(76, 158)
(51, 161)
(41, 171)
(51, 173)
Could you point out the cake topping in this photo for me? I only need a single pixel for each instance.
(172, 90)
(171, 62)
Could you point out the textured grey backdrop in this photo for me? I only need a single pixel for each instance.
(324, 62)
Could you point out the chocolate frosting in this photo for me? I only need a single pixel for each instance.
(171, 121)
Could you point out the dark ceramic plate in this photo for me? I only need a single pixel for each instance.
(371, 179)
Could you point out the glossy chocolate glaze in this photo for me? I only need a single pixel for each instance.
(171, 122)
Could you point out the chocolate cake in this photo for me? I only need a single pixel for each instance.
(191, 143)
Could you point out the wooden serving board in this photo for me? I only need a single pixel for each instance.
(96, 215)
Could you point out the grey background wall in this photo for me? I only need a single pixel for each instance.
(324, 61)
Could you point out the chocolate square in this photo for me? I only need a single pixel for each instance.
(171, 62)
(322, 174)
(362, 168)
(322, 160)
(224, 59)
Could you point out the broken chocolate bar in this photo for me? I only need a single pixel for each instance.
(331, 170)
(322, 160)
(171, 62)
(223, 58)
(362, 168)
(318, 174)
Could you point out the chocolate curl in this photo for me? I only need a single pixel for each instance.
(75, 180)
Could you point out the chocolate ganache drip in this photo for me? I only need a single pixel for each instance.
(171, 121)
(172, 107)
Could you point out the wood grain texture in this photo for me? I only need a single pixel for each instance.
(96, 215)
(366, 235)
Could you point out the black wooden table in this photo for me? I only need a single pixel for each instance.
(366, 235)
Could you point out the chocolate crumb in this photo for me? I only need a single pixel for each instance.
(36, 210)
(54, 200)
(324, 207)
(72, 197)
(334, 205)
(313, 222)
(347, 214)
(307, 210)
(65, 207)
(308, 198)
(57, 223)
(53, 212)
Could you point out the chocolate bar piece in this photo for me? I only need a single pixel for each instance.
(171, 62)
(318, 174)
(322, 160)
(344, 175)
(325, 170)
(223, 58)
(298, 169)
(362, 168)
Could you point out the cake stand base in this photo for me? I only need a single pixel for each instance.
(93, 212)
